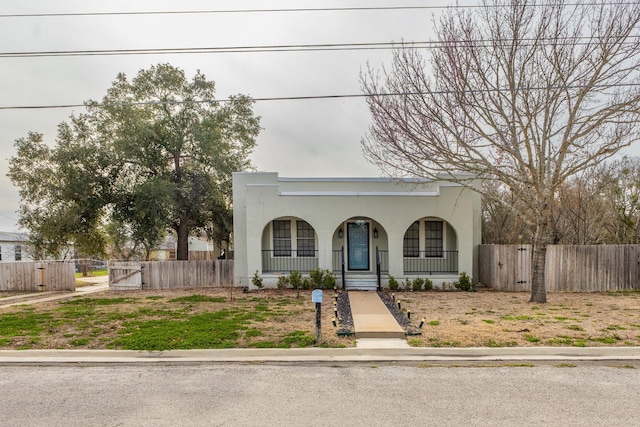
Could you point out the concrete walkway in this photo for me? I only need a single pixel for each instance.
(371, 318)
(100, 284)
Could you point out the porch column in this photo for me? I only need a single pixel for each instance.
(396, 265)
(325, 249)
(466, 257)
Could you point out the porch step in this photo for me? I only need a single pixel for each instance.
(361, 284)
(371, 318)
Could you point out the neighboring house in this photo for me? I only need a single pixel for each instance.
(403, 228)
(15, 247)
(199, 248)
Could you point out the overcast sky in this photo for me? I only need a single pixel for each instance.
(300, 138)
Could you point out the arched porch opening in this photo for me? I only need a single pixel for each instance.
(288, 244)
(430, 246)
(360, 252)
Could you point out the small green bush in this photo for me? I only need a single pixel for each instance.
(329, 280)
(306, 283)
(283, 282)
(417, 283)
(295, 279)
(257, 280)
(463, 283)
(316, 276)
(393, 283)
(322, 279)
(428, 285)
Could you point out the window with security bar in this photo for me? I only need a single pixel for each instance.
(282, 238)
(305, 239)
(434, 232)
(411, 245)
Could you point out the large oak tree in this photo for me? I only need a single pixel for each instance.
(156, 153)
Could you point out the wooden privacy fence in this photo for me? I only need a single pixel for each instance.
(570, 268)
(37, 276)
(505, 267)
(170, 274)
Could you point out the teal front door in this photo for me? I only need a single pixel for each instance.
(358, 246)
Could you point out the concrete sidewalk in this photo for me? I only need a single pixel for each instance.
(320, 355)
(371, 318)
(101, 285)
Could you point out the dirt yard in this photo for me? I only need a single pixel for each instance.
(282, 318)
(497, 319)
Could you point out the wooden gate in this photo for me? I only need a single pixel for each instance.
(125, 276)
(506, 267)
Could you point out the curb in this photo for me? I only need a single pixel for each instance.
(317, 355)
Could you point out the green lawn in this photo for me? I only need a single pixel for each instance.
(164, 321)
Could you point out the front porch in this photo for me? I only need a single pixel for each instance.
(363, 230)
(360, 255)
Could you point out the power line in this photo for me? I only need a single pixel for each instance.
(283, 10)
(292, 48)
(7, 216)
(227, 49)
(304, 98)
(203, 101)
(196, 12)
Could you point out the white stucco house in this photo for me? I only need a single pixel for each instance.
(362, 229)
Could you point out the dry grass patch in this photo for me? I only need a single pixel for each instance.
(498, 319)
(223, 318)
(157, 320)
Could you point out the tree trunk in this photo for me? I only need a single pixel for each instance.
(541, 239)
(538, 281)
(182, 253)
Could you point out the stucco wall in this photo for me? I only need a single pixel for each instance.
(325, 203)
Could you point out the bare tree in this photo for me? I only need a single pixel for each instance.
(502, 223)
(623, 195)
(526, 93)
(583, 210)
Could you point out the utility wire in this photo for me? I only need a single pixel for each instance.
(296, 48)
(196, 12)
(318, 9)
(227, 49)
(94, 104)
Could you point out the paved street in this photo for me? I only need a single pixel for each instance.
(342, 394)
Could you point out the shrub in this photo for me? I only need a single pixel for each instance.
(257, 280)
(417, 283)
(463, 283)
(283, 281)
(322, 279)
(393, 283)
(428, 285)
(306, 283)
(295, 279)
(329, 280)
(316, 277)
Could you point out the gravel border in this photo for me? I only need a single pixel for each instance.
(345, 319)
(409, 327)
